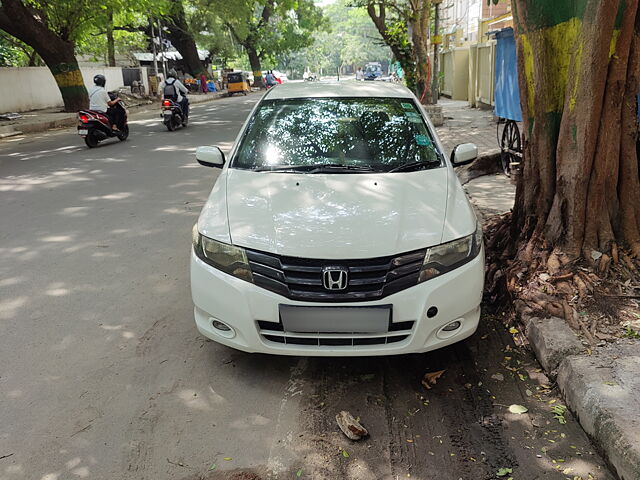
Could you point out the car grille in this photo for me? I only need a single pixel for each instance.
(274, 332)
(301, 278)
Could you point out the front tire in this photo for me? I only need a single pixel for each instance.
(91, 140)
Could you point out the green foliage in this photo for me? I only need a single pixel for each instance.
(211, 32)
(559, 412)
(268, 27)
(351, 40)
(10, 56)
(76, 20)
(126, 43)
(631, 333)
(13, 52)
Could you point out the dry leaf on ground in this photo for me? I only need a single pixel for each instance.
(431, 378)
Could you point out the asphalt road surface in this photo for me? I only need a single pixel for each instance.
(104, 376)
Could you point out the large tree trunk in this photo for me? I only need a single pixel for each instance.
(181, 38)
(58, 53)
(256, 65)
(579, 188)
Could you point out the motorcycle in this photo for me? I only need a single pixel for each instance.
(95, 127)
(172, 115)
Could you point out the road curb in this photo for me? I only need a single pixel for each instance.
(600, 389)
(606, 406)
(552, 341)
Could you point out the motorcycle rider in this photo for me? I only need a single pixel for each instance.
(173, 89)
(100, 101)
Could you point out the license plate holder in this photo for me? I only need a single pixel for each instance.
(83, 132)
(303, 319)
(167, 113)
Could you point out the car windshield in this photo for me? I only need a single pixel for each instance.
(350, 135)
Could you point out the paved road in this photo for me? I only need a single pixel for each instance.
(104, 376)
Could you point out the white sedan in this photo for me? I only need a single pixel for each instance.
(337, 227)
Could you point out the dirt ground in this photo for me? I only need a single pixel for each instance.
(460, 429)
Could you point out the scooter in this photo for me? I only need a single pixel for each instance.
(172, 115)
(95, 127)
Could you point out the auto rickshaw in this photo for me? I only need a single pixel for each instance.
(237, 83)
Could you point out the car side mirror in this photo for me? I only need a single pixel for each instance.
(464, 154)
(210, 157)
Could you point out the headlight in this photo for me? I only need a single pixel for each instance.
(223, 256)
(449, 256)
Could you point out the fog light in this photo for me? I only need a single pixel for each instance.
(221, 326)
(450, 327)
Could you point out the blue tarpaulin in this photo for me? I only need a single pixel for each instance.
(507, 95)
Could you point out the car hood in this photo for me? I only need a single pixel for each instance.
(336, 216)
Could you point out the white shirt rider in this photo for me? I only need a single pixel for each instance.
(99, 99)
(180, 88)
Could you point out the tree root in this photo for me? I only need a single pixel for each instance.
(536, 281)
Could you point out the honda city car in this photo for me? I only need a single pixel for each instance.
(337, 227)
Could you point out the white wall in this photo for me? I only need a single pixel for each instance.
(113, 75)
(33, 88)
(27, 88)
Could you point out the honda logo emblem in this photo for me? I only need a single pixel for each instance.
(335, 278)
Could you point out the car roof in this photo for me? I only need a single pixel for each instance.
(338, 89)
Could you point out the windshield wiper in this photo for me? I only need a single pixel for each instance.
(422, 164)
(336, 167)
(285, 168)
(316, 168)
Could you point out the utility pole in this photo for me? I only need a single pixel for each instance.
(435, 40)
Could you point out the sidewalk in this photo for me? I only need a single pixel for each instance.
(46, 119)
(463, 124)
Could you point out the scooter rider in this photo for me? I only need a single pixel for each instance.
(100, 101)
(173, 89)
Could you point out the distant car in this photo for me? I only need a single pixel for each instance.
(337, 227)
(372, 71)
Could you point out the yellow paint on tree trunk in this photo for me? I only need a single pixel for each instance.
(573, 98)
(614, 42)
(528, 72)
(560, 45)
(69, 79)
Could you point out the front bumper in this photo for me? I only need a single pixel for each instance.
(247, 308)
